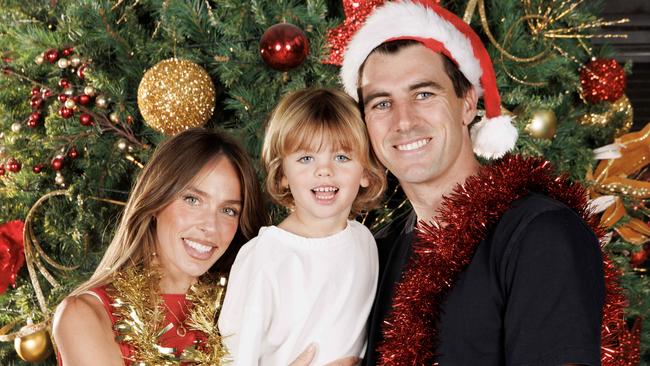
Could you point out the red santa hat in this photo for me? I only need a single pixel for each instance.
(441, 31)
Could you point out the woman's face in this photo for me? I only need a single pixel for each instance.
(196, 228)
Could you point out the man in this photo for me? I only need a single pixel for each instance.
(502, 272)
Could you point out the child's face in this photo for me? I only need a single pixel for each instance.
(324, 184)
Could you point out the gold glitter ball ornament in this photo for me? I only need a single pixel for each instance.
(175, 95)
(543, 124)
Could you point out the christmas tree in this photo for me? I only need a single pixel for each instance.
(82, 107)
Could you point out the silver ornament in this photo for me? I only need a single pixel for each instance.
(122, 145)
(60, 180)
(101, 101)
(89, 91)
(63, 63)
(75, 61)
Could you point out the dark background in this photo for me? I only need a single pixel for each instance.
(635, 48)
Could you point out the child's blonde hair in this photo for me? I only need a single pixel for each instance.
(309, 118)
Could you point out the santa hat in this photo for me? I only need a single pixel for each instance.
(443, 32)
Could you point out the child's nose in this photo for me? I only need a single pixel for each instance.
(324, 170)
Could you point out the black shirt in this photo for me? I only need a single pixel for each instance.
(532, 294)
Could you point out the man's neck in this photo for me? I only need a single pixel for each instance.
(426, 198)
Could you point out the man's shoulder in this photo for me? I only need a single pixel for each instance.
(524, 210)
(537, 213)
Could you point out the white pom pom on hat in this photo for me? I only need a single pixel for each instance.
(444, 32)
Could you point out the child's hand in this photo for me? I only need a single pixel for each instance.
(305, 358)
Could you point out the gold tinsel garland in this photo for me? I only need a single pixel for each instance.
(140, 312)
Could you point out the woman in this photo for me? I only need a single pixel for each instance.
(195, 202)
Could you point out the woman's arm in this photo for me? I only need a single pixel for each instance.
(305, 358)
(83, 333)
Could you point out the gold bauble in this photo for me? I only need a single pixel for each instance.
(543, 124)
(622, 105)
(34, 347)
(175, 95)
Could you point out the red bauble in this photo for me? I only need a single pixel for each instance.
(73, 153)
(12, 253)
(2, 169)
(32, 123)
(62, 98)
(64, 83)
(67, 51)
(284, 46)
(36, 102)
(65, 112)
(602, 80)
(37, 168)
(51, 55)
(13, 165)
(86, 119)
(81, 71)
(36, 116)
(84, 99)
(47, 93)
(57, 163)
(36, 91)
(638, 258)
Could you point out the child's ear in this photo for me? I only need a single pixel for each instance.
(365, 181)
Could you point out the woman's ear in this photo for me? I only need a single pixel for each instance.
(365, 181)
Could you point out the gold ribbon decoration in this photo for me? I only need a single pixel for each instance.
(36, 259)
(545, 25)
(616, 177)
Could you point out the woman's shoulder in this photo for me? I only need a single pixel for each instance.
(85, 310)
(83, 331)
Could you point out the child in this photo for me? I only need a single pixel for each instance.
(312, 278)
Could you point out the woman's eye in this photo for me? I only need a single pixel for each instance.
(341, 158)
(191, 200)
(305, 159)
(231, 211)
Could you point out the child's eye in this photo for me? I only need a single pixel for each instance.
(305, 159)
(342, 158)
(231, 211)
(191, 200)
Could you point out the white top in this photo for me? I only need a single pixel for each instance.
(286, 291)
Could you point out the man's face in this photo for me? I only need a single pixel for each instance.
(417, 124)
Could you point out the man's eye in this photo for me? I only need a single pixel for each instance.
(341, 158)
(305, 159)
(384, 104)
(423, 95)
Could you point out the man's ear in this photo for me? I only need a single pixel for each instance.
(469, 106)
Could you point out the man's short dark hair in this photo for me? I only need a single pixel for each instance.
(458, 80)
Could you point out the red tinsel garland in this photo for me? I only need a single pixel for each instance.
(441, 253)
